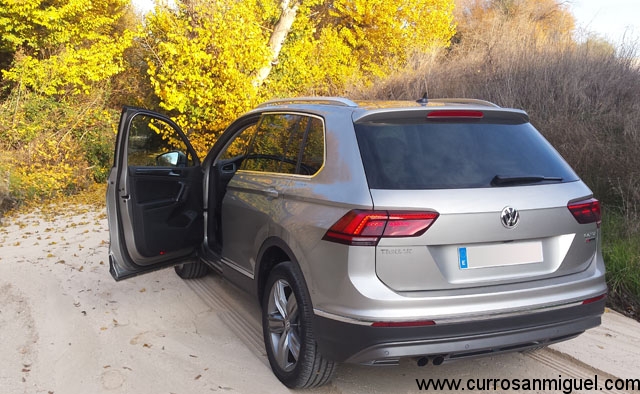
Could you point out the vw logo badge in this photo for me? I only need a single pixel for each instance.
(509, 217)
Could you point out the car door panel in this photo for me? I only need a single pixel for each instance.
(253, 204)
(164, 210)
(154, 206)
(250, 206)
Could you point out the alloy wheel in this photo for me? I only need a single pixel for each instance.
(284, 325)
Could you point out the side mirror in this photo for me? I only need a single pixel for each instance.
(172, 159)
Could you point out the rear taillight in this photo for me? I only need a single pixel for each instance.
(586, 211)
(365, 228)
(455, 113)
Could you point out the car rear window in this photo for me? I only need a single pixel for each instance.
(447, 155)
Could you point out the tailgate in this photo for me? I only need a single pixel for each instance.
(469, 246)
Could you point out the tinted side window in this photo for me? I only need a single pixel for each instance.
(279, 141)
(153, 142)
(313, 152)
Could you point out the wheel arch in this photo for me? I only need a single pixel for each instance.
(273, 252)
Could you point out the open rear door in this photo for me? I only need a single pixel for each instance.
(154, 195)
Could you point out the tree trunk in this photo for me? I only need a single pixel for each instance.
(280, 31)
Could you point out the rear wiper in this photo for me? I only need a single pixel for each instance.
(501, 180)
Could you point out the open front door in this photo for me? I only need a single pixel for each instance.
(154, 195)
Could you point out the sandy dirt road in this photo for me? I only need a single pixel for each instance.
(67, 327)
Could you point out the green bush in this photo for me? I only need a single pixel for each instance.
(621, 250)
(52, 147)
(6, 201)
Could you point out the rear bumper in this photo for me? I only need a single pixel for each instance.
(362, 344)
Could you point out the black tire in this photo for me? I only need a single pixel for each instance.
(291, 332)
(191, 270)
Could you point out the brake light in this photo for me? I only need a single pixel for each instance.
(365, 228)
(455, 113)
(586, 211)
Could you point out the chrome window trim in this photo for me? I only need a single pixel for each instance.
(324, 145)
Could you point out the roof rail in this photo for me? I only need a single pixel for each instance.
(341, 101)
(467, 101)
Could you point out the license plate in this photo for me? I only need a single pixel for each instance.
(500, 255)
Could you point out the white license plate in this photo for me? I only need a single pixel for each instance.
(486, 256)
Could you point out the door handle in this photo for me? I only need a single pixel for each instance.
(182, 193)
(229, 168)
(271, 193)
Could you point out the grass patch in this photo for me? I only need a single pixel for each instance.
(621, 250)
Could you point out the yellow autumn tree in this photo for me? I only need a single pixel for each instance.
(334, 44)
(485, 24)
(57, 59)
(381, 33)
(62, 46)
(210, 61)
(202, 59)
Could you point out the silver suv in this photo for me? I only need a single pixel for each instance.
(368, 231)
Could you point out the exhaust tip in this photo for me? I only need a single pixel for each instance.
(437, 360)
(422, 361)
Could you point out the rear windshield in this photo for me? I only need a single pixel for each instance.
(457, 155)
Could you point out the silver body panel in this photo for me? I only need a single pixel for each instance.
(367, 284)
(546, 242)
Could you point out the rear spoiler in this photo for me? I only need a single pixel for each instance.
(447, 113)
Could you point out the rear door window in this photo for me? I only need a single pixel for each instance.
(312, 157)
(286, 144)
(447, 155)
